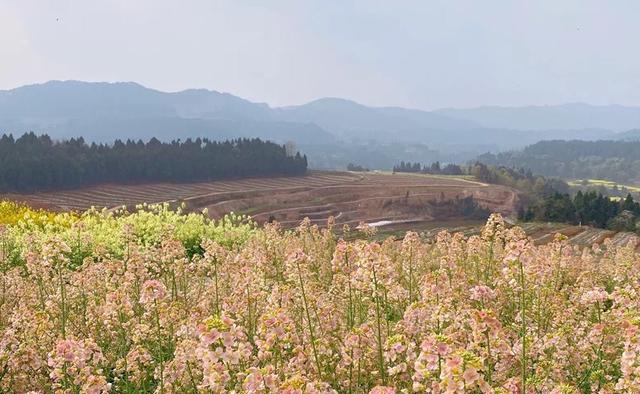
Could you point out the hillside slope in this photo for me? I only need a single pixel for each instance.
(106, 111)
(575, 116)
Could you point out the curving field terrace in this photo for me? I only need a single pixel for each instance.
(394, 202)
(348, 197)
(543, 233)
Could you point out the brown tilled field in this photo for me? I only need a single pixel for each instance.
(349, 197)
(394, 202)
(577, 235)
(540, 233)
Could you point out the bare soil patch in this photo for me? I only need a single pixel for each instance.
(351, 198)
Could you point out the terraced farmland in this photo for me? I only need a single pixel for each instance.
(349, 197)
(394, 202)
(541, 233)
(577, 235)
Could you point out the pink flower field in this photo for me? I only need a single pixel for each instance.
(161, 302)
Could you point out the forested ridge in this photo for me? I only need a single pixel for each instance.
(545, 199)
(589, 208)
(32, 163)
(613, 160)
(534, 186)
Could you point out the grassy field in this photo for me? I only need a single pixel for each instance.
(604, 183)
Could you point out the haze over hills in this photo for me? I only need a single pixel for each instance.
(566, 116)
(630, 135)
(107, 111)
(350, 120)
(612, 160)
(376, 136)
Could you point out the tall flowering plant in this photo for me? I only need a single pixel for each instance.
(159, 301)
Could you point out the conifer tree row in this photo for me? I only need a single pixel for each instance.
(589, 208)
(33, 163)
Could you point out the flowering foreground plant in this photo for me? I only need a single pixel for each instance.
(169, 303)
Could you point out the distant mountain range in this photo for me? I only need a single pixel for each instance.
(630, 135)
(108, 111)
(551, 117)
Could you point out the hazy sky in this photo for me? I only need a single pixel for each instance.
(422, 54)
